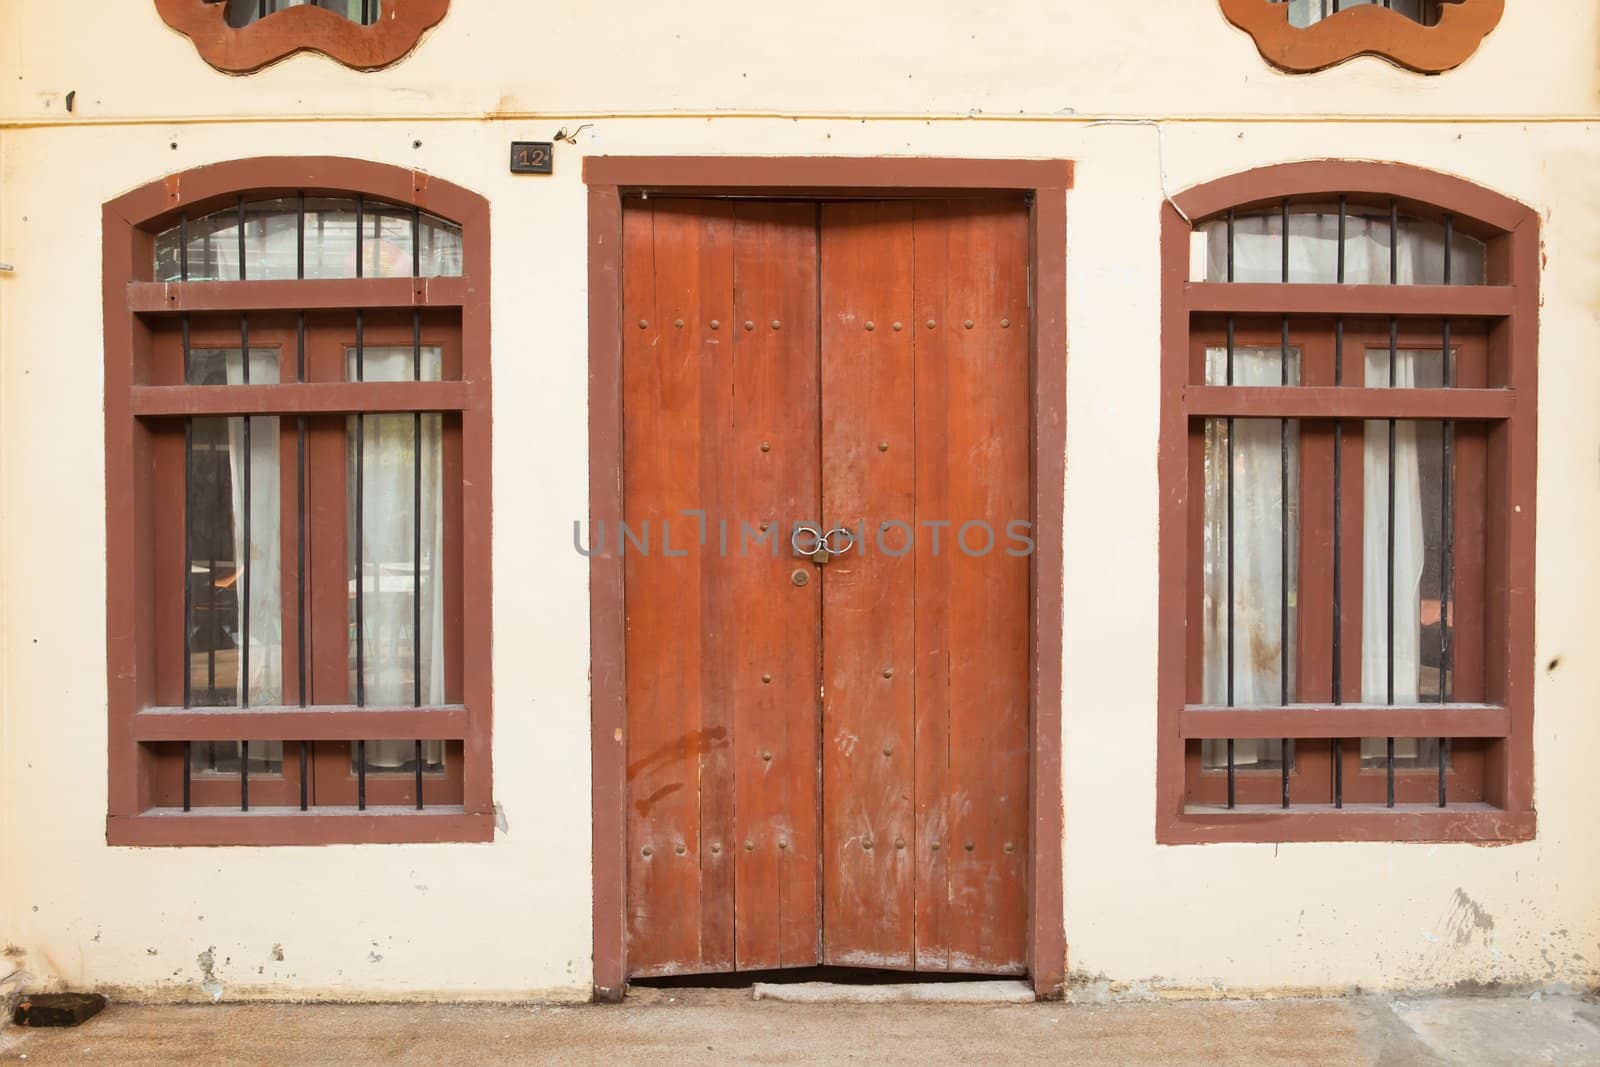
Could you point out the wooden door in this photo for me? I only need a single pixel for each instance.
(827, 762)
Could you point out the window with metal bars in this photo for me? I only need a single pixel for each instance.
(297, 424)
(1347, 466)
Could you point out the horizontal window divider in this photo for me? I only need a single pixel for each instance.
(317, 723)
(1422, 823)
(312, 294)
(1328, 721)
(305, 398)
(401, 824)
(1347, 402)
(1248, 298)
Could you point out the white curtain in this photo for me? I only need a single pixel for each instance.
(1409, 555)
(389, 572)
(1314, 250)
(1314, 257)
(1258, 579)
(260, 540)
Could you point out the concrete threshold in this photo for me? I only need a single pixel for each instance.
(898, 993)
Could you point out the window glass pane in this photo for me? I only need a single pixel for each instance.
(244, 12)
(386, 247)
(1308, 12)
(1260, 588)
(1263, 593)
(441, 248)
(1314, 249)
(1244, 563)
(330, 238)
(393, 363)
(271, 239)
(221, 539)
(399, 757)
(213, 249)
(1413, 368)
(224, 366)
(1253, 365)
(223, 757)
(397, 628)
(1418, 627)
(272, 249)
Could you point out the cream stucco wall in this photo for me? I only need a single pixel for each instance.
(947, 78)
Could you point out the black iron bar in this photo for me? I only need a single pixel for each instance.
(1447, 519)
(188, 521)
(361, 560)
(416, 497)
(1394, 356)
(300, 520)
(300, 237)
(1228, 371)
(1283, 523)
(244, 563)
(244, 776)
(361, 236)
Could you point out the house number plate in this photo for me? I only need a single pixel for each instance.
(532, 157)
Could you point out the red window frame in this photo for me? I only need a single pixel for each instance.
(1495, 331)
(145, 505)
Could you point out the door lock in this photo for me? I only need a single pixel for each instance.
(819, 547)
(810, 542)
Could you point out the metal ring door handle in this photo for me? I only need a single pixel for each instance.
(839, 531)
(817, 540)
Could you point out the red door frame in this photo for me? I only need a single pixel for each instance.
(1045, 184)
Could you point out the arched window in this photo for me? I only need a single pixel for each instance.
(297, 469)
(1346, 540)
(242, 36)
(1427, 36)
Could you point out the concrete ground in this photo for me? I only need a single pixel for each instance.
(659, 1027)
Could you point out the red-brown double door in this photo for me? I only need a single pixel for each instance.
(827, 762)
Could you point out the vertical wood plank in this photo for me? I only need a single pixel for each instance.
(868, 382)
(775, 637)
(661, 476)
(971, 280)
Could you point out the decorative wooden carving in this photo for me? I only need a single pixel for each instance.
(1368, 30)
(302, 29)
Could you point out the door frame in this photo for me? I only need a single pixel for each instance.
(1044, 184)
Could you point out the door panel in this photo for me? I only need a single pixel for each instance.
(971, 610)
(868, 778)
(775, 625)
(828, 762)
(720, 434)
(925, 648)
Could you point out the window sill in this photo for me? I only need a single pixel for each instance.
(291, 826)
(1410, 823)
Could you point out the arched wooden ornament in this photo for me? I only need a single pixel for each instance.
(1368, 30)
(246, 49)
